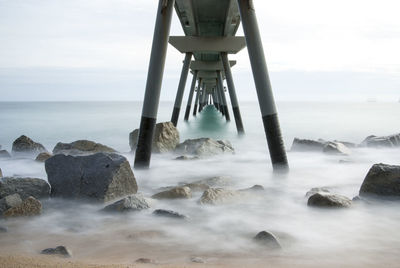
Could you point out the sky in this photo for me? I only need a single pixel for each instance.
(99, 50)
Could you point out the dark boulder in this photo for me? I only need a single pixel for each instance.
(204, 147)
(328, 200)
(382, 180)
(267, 239)
(27, 146)
(29, 207)
(168, 214)
(81, 147)
(60, 250)
(25, 187)
(301, 145)
(4, 154)
(134, 202)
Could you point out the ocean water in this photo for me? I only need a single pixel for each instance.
(364, 235)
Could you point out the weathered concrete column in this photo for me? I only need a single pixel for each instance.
(232, 93)
(263, 85)
(196, 101)
(203, 98)
(153, 83)
(221, 103)
(220, 85)
(215, 100)
(181, 89)
(189, 103)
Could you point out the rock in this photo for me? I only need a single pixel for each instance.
(43, 156)
(217, 196)
(382, 180)
(267, 239)
(328, 200)
(26, 145)
(145, 260)
(197, 187)
(175, 193)
(185, 157)
(302, 145)
(218, 181)
(169, 214)
(166, 138)
(25, 187)
(3, 229)
(197, 260)
(204, 147)
(347, 144)
(254, 188)
(81, 147)
(98, 177)
(134, 202)
(4, 154)
(9, 201)
(60, 250)
(29, 207)
(382, 141)
(316, 190)
(336, 148)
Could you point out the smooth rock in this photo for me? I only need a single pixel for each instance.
(4, 154)
(382, 141)
(168, 214)
(26, 145)
(135, 202)
(9, 202)
(25, 187)
(316, 190)
(303, 145)
(204, 147)
(267, 239)
(217, 196)
(60, 250)
(336, 148)
(29, 207)
(81, 147)
(98, 177)
(43, 156)
(328, 200)
(175, 193)
(382, 180)
(166, 138)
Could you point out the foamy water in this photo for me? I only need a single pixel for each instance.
(365, 234)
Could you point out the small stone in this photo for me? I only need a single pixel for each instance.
(60, 250)
(169, 214)
(4, 154)
(197, 260)
(29, 207)
(329, 200)
(175, 193)
(134, 202)
(267, 239)
(42, 157)
(145, 260)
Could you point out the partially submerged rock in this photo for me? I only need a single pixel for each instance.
(254, 188)
(328, 200)
(81, 147)
(25, 187)
(175, 193)
(29, 207)
(336, 148)
(43, 156)
(382, 141)
(197, 187)
(185, 157)
(145, 260)
(26, 145)
(217, 181)
(134, 202)
(301, 145)
(382, 180)
(9, 201)
(217, 196)
(323, 190)
(98, 177)
(204, 147)
(60, 250)
(267, 239)
(169, 214)
(4, 154)
(165, 139)
(197, 260)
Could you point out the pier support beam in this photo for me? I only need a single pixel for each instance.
(232, 93)
(181, 89)
(196, 101)
(189, 103)
(263, 85)
(221, 89)
(203, 98)
(153, 83)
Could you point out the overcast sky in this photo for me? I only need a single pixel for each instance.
(100, 49)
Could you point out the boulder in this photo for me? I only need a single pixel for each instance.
(4, 154)
(168, 214)
(316, 190)
(98, 177)
(382, 180)
(267, 239)
(217, 181)
(43, 156)
(254, 188)
(382, 141)
(81, 147)
(60, 250)
(302, 145)
(175, 193)
(135, 202)
(328, 200)
(25, 187)
(29, 207)
(336, 148)
(217, 196)
(26, 145)
(204, 147)
(9, 201)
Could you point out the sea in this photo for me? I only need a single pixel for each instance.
(364, 235)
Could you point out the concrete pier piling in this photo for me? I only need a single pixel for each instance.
(190, 99)
(220, 87)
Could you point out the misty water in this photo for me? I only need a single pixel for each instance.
(365, 234)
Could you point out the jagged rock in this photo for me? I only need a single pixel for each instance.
(25, 187)
(166, 138)
(26, 145)
(169, 214)
(185, 157)
(217, 196)
(29, 207)
(43, 156)
(4, 154)
(382, 180)
(98, 177)
(218, 181)
(81, 147)
(134, 202)
(267, 239)
(336, 148)
(175, 193)
(382, 141)
(328, 200)
(9, 201)
(204, 147)
(301, 145)
(60, 250)
(316, 190)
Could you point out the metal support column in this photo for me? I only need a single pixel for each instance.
(196, 101)
(232, 93)
(181, 89)
(153, 83)
(263, 85)
(189, 103)
(220, 85)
